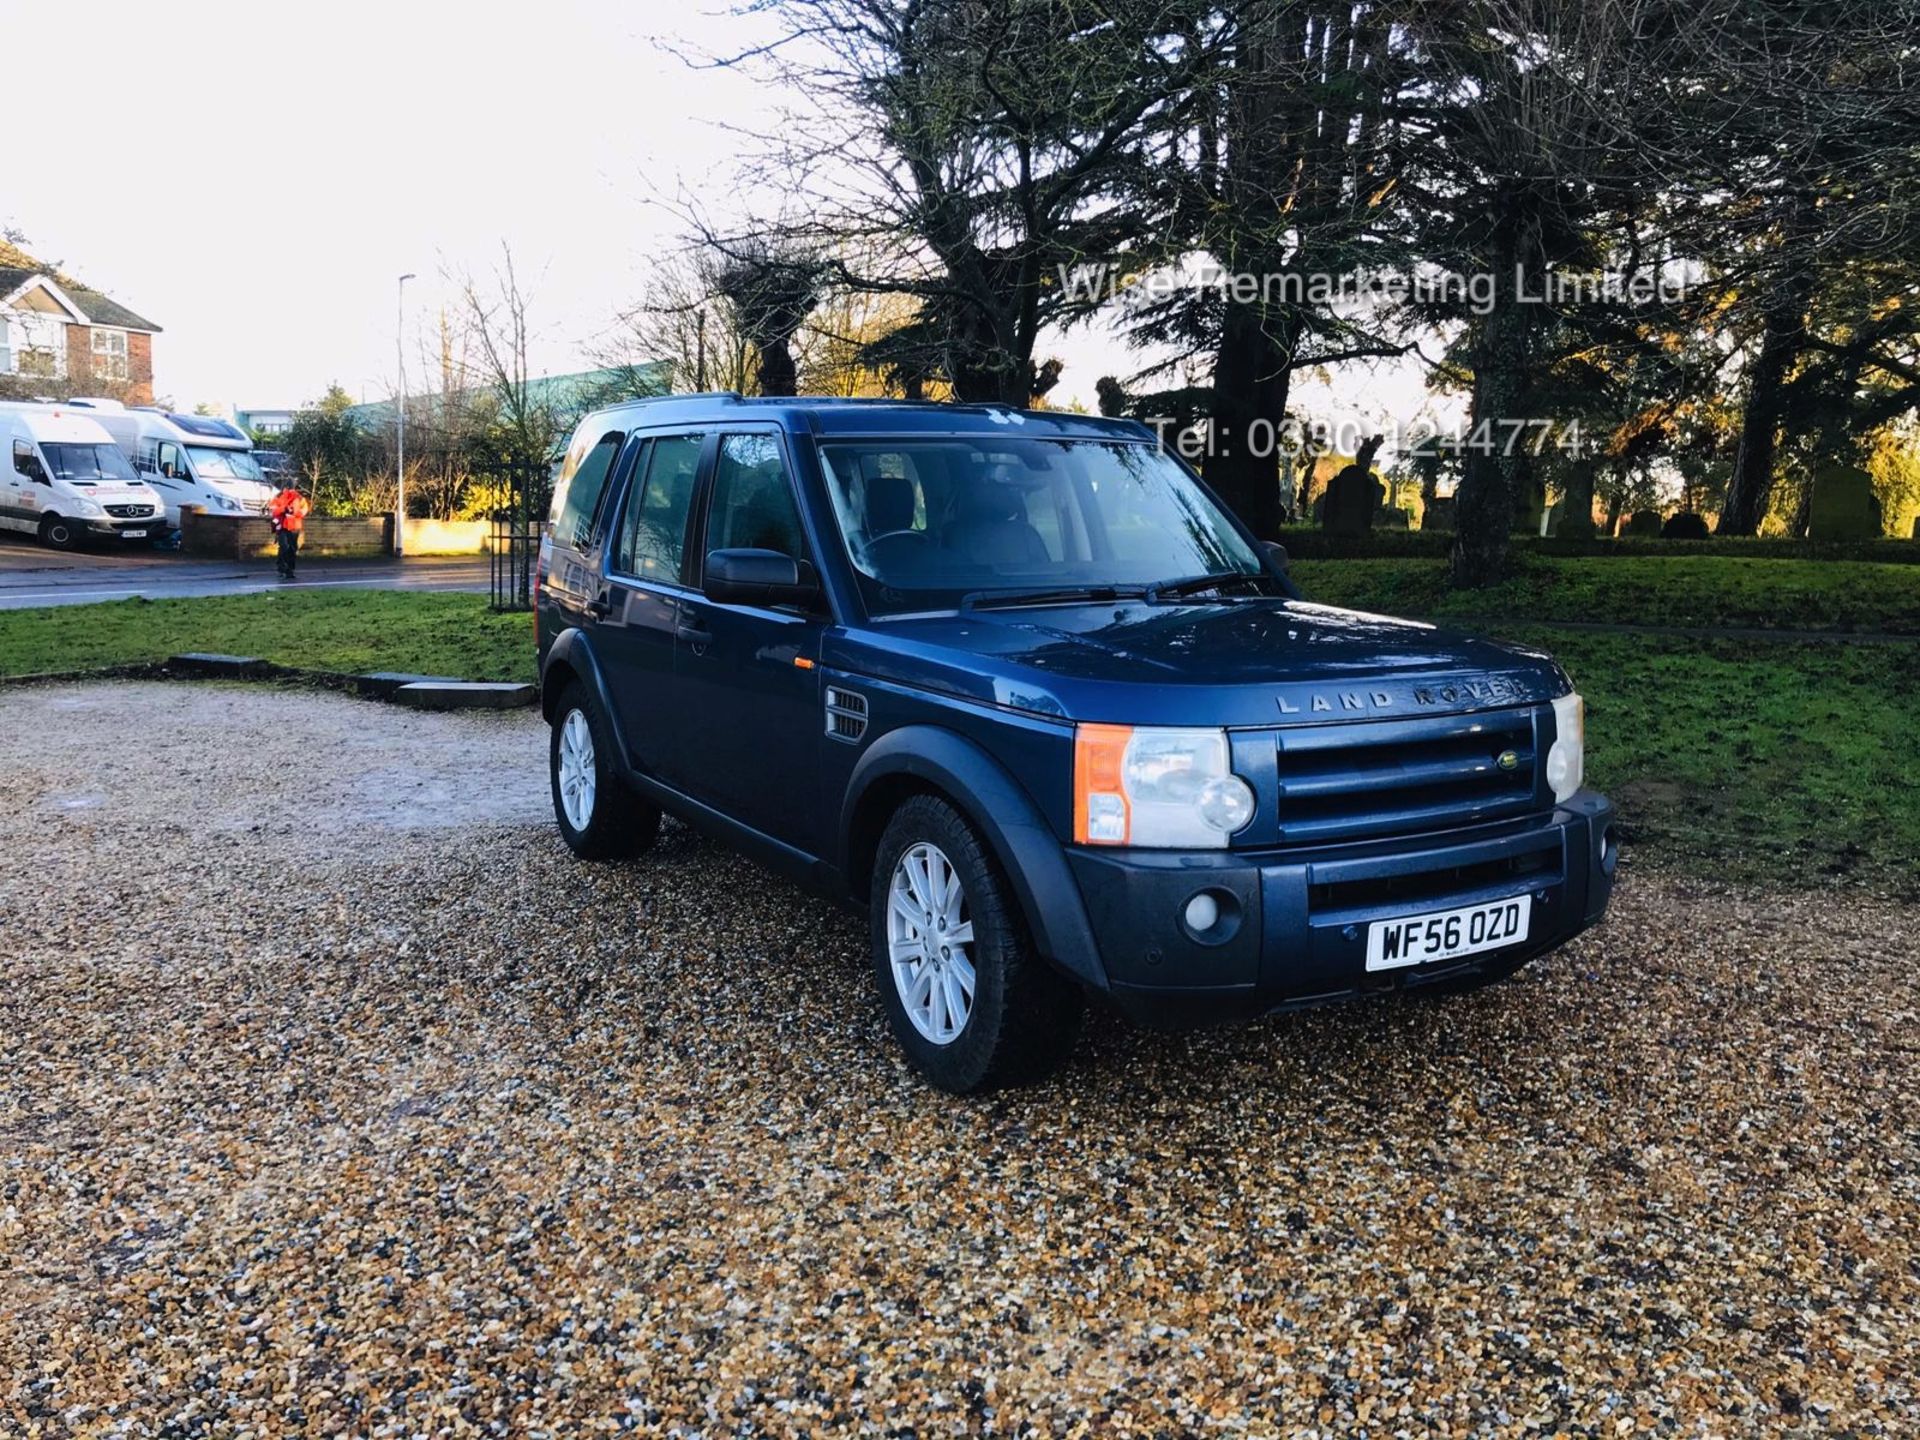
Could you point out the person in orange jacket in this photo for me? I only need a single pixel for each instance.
(288, 512)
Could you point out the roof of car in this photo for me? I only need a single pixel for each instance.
(832, 415)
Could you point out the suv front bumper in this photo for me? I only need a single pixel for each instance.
(1293, 924)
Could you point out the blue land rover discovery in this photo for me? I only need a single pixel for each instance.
(1021, 687)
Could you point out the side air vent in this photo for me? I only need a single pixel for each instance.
(846, 715)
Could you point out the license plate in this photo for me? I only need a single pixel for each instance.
(1448, 934)
(134, 534)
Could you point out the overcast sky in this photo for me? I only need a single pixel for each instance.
(253, 177)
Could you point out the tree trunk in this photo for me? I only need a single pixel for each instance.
(1251, 377)
(1616, 502)
(1576, 518)
(1750, 488)
(778, 374)
(1494, 476)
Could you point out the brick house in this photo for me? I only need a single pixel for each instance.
(76, 340)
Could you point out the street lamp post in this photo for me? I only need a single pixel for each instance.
(400, 414)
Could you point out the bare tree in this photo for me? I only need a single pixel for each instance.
(682, 321)
(495, 312)
(770, 291)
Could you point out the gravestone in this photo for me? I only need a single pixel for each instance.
(1643, 523)
(1351, 500)
(1684, 525)
(1570, 518)
(1844, 505)
(1529, 503)
(1438, 514)
(1393, 518)
(1572, 513)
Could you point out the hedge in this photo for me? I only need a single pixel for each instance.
(1307, 542)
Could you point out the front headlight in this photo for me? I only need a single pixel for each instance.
(1567, 760)
(86, 509)
(1156, 787)
(226, 503)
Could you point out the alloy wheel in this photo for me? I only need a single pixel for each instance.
(929, 943)
(578, 780)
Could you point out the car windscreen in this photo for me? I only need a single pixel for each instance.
(212, 464)
(86, 464)
(930, 521)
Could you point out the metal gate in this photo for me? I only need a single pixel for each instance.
(523, 487)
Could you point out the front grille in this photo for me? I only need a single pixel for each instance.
(129, 512)
(1539, 866)
(1390, 777)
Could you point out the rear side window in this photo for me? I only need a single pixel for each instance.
(753, 506)
(653, 531)
(577, 500)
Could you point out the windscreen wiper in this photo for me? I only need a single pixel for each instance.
(1059, 595)
(1196, 584)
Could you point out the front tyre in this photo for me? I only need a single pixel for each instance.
(599, 817)
(969, 1000)
(59, 532)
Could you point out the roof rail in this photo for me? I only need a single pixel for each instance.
(693, 395)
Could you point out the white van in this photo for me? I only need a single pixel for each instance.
(189, 459)
(66, 480)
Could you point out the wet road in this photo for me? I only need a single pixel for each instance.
(32, 575)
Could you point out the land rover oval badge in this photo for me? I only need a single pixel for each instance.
(1509, 760)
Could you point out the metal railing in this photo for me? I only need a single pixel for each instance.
(516, 532)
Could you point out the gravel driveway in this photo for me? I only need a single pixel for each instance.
(335, 1099)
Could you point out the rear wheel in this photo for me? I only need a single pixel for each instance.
(59, 532)
(969, 1000)
(599, 817)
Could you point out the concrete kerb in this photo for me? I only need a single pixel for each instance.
(430, 692)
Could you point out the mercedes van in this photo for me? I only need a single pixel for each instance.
(66, 481)
(189, 459)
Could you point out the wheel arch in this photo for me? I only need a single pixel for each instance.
(929, 760)
(570, 660)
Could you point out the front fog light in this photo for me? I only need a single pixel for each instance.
(1567, 760)
(1203, 912)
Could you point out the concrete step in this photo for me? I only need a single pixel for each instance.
(238, 667)
(463, 695)
(382, 683)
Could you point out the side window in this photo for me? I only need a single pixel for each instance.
(653, 530)
(170, 461)
(577, 501)
(25, 462)
(753, 506)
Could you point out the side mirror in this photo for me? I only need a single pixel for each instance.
(1274, 556)
(759, 577)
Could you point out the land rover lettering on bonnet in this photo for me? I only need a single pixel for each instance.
(1019, 688)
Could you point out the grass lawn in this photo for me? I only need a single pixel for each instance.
(1687, 590)
(347, 630)
(1753, 759)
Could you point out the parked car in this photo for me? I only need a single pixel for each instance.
(189, 459)
(1022, 687)
(276, 466)
(66, 481)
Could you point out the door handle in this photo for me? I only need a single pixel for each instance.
(601, 605)
(693, 632)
